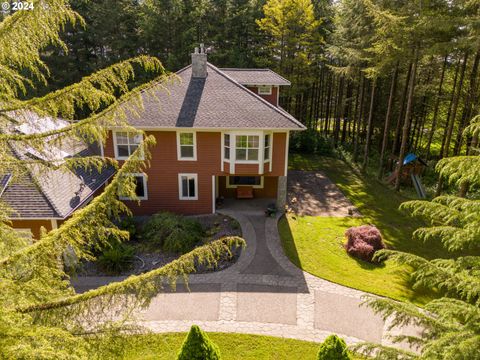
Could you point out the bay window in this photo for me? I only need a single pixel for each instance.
(247, 147)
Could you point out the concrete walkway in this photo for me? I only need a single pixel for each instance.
(264, 293)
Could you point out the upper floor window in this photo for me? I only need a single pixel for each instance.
(125, 144)
(140, 181)
(226, 146)
(247, 147)
(265, 90)
(186, 143)
(266, 147)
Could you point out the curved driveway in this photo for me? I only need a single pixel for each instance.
(264, 293)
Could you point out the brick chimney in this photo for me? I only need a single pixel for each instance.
(199, 62)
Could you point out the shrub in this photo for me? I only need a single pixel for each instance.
(310, 141)
(198, 346)
(333, 348)
(363, 241)
(128, 224)
(116, 259)
(172, 232)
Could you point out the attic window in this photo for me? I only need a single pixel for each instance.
(265, 90)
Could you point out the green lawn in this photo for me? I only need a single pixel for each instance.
(315, 243)
(232, 347)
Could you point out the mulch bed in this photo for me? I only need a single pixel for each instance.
(311, 193)
(216, 226)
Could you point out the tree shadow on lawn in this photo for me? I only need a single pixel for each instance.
(378, 204)
(390, 280)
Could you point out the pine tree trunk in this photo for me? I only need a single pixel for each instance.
(369, 125)
(450, 107)
(327, 109)
(455, 106)
(467, 108)
(356, 132)
(398, 127)
(346, 111)
(435, 111)
(386, 130)
(338, 114)
(351, 132)
(406, 125)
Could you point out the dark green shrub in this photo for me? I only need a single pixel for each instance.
(198, 346)
(310, 142)
(117, 259)
(172, 232)
(333, 348)
(128, 224)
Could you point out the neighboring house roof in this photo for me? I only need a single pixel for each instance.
(217, 102)
(4, 180)
(256, 76)
(54, 192)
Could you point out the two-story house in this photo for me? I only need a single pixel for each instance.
(219, 133)
(217, 130)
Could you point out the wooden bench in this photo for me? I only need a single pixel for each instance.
(244, 192)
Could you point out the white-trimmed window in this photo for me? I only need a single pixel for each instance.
(186, 146)
(265, 90)
(266, 147)
(125, 144)
(188, 186)
(226, 146)
(140, 187)
(247, 147)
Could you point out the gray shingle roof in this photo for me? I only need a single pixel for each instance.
(53, 193)
(4, 180)
(49, 193)
(256, 76)
(217, 101)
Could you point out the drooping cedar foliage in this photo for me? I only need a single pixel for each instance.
(40, 314)
(450, 323)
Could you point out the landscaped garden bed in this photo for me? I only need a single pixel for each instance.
(158, 240)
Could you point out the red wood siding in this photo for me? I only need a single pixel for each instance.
(272, 99)
(33, 225)
(162, 183)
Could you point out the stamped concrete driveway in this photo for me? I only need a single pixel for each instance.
(263, 293)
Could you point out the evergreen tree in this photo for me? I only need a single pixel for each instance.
(40, 314)
(291, 28)
(198, 346)
(450, 324)
(333, 348)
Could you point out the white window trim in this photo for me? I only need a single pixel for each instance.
(265, 93)
(115, 148)
(270, 148)
(228, 186)
(144, 178)
(179, 156)
(180, 196)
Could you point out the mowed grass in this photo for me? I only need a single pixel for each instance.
(232, 347)
(315, 244)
